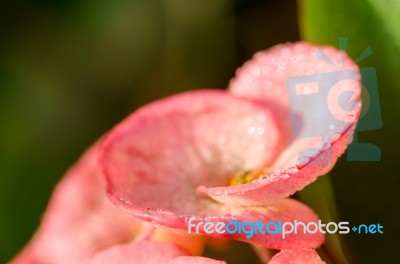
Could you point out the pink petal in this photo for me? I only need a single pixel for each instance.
(162, 155)
(195, 260)
(316, 131)
(300, 256)
(79, 220)
(283, 182)
(144, 252)
(159, 160)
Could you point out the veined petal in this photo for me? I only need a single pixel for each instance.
(79, 220)
(300, 256)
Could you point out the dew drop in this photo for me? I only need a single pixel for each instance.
(292, 170)
(251, 130)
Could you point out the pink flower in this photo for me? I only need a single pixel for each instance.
(212, 155)
(178, 157)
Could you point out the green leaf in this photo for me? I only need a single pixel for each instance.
(366, 23)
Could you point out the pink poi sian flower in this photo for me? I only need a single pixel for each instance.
(184, 155)
(212, 155)
(189, 152)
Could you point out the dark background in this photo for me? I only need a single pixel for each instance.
(70, 70)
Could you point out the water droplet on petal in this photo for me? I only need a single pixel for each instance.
(251, 130)
(292, 170)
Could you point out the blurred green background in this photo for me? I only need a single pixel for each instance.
(70, 70)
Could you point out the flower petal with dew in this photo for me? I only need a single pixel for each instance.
(317, 115)
(160, 159)
(79, 220)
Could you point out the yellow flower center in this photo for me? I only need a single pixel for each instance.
(246, 176)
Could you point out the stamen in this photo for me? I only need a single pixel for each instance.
(246, 176)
